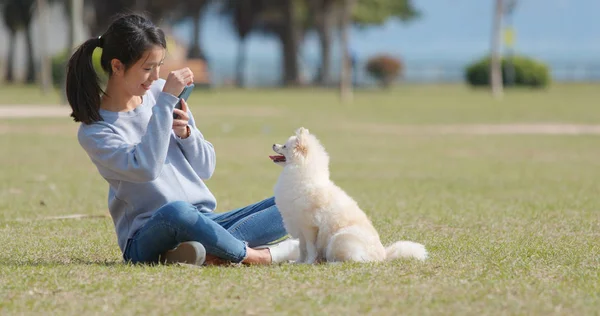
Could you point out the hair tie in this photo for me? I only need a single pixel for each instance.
(100, 41)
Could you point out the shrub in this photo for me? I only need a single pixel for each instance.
(527, 72)
(59, 66)
(384, 69)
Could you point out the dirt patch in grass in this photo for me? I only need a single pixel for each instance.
(31, 111)
(54, 129)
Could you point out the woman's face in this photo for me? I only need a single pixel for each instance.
(139, 77)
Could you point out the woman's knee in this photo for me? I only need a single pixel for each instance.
(270, 201)
(178, 212)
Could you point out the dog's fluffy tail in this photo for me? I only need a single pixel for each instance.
(405, 249)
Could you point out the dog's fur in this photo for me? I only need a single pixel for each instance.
(329, 223)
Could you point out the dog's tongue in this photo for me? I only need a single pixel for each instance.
(278, 158)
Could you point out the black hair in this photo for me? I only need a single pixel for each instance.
(128, 37)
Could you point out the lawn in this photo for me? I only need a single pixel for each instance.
(511, 220)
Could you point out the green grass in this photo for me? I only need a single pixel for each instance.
(511, 221)
(26, 94)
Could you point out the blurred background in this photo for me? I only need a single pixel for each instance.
(271, 43)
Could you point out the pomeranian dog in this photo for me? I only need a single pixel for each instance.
(328, 222)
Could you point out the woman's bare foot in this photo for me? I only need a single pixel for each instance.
(257, 256)
(215, 261)
(253, 256)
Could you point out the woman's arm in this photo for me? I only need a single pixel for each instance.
(120, 159)
(199, 152)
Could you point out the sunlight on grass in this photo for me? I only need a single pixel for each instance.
(510, 221)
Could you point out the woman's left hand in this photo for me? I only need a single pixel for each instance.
(180, 124)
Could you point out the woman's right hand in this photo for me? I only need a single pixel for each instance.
(177, 80)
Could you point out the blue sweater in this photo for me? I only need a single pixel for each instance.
(145, 164)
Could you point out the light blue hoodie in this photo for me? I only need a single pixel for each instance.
(145, 164)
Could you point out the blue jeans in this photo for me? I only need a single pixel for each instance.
(224, 235)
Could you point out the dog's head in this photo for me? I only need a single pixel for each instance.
(300, 149)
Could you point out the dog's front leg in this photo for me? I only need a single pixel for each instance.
(302, 247)
(310, 236)
(312, 253)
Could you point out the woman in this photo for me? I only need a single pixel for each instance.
(154, 164)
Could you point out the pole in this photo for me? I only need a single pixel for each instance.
(46, 77)
(346, 93)
(495, 62)
(509, 40)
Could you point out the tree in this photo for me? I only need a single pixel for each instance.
(45, 75)
(73, 9)
(105, 10)
(18, 15)
(13, 25)
(377, 12)
(158, 11)
(194, 10)
(287, 20)
(322, 13)
(243, 15)
(282, 18)
(363, 13)
(289, 41)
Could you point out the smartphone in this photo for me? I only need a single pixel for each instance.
(185, 94)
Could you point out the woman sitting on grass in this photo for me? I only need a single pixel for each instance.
(154, 164)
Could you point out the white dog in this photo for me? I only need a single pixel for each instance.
(328, 223)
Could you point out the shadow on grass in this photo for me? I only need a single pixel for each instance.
(4, 262)
(51, 263)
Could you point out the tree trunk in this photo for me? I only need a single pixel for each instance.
(30, 74)
(346, 67)
(44, 22)
(289, 41)
(70, 35)
(75, 13)
(496, 62)
(95, 26)
(195, 51)
(322, 14)
(324, 30)
(10, 58)
(241, 63)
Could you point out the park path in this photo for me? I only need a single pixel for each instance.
(23, 111)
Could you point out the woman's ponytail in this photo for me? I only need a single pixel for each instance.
(83, 86)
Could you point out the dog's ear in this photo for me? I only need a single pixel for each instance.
(301, 147)
(302, 132)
